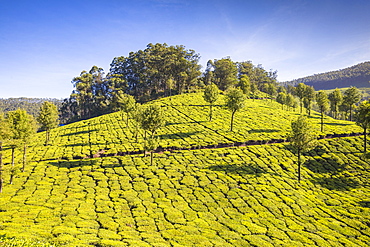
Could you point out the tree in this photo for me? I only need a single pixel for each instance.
(211, 95)
(245, 84)
(48, 118)
(254, 89)
(235, 101)
(302, 138)
(125, 103)
(335, 99)
(5, 134)
(22, 126)
(323, 103)
(281, 98)
(271, 90)
(351, 97)
(363, 118)
(225, 73)
(152, 118)
(290, 100)
(150, 145)
(300, 92)
(309, 95)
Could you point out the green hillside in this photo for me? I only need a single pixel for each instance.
(193, 194)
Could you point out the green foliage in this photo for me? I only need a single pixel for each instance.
(235, 100)
(48, 118)
(323, 103)
(211, 94)
(363, 119)
(152, 118)
(350, 97)
(335, 99)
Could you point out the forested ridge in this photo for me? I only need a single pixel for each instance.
(356, 76)
(31, 105)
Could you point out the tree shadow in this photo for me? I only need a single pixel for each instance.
(339, 182)
(179, 135)
(79, 132)
(263, 131)
(338, 124)
(327, 165)
(364, 203)
(75, 163)
(247, 169)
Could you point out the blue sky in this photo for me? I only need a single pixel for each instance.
(44, 44)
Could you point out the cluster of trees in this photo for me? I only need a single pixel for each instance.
(17, 128)
(157, 71)
(357, 75)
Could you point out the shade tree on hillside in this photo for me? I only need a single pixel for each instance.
(362, 117)
(225, 73)
(281, 98)
(300, 93)
(210, 95)
(302, 138)
(235, 100)
(22, 126)
(323, 104)
(125, 103)
(350, 97)
(152, 118)
(48, 118)
(245, 84)
(309, 96)
(335, 98)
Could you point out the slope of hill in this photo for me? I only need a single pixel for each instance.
(237, 196)
(357, 76)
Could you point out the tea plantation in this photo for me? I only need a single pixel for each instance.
(196, 193)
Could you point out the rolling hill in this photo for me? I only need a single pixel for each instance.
(200, 191)
(357, 76)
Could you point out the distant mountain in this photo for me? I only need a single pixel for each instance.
(357, 75)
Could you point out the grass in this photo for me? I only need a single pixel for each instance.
(237, 196)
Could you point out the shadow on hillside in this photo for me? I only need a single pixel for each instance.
(325, 165)
(79, 132)
(365, 204)
(179, 135)
(337, 124)
(77, 145)
(339, 182)
(248, 169)
(263, 131)
(74, 163)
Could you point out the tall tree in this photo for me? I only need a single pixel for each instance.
(271, 90)
(363, 119)
(225, 73)
(335, 99)
(300, 93)
(309, 95)
(245, 84)
(152, 118)
(302, 138)
(351, 97)
(125, 103)
(235, 101)
(211, 95)
(323, 103)
(23, 126)
(48, 118)
(281, 98)
(5, 134)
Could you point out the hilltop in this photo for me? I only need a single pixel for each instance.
(357, 76)
(196, 193)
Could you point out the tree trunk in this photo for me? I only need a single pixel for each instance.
(350, 113)
(299, 165)
(151, 158)
(322, 121)
(232, 121)
(13, 150)
(210, 112)
(47, 137)
(24, 156)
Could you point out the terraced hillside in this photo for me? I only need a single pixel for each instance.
(236, 196)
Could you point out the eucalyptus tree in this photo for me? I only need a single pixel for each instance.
(48, 118)
(245, 84)
(362, 117)
(302, 138)
(323, 103)
(210, 95)
(335, 99)
(225, 73)
(351, 97)
(22, 126)
(235, 100)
